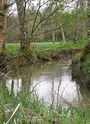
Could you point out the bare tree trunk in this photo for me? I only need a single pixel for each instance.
(88, 19)
(80, 27)
(56, 37)
(87, 47)
(81, 3)
(63, 35)
(3, 23)
(76, 29)
(53, 36)
(84, 27)
(82, 7)
(21, 7)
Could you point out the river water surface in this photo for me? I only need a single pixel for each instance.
(51, 81)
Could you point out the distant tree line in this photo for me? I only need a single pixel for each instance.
(49, 20)
(64, 24)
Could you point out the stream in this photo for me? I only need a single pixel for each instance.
(51, 81)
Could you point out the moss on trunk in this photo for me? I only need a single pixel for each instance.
(3, 62)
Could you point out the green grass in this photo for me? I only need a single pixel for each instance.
(14, 47)
(27, 108)
(61, 46)
(33, 110)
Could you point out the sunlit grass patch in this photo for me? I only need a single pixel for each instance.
(14, 47)
(60, 45)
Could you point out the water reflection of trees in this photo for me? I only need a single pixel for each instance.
(84, 93)
(19, 79)
(51, 72)
(54, 74)
(4, 92)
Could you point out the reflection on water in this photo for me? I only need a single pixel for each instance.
(51, 81)
(14, 85)
(56, 84)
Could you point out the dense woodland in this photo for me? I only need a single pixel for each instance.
(56, 20)
(29, 21)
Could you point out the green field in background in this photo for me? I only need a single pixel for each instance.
(14, 47)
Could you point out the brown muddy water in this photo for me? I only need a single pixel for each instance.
(51, 82)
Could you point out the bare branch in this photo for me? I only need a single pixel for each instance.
(36, 17)
(40, 6)
(9, 5)
(53, 29)
(43, 17)
(46, 18)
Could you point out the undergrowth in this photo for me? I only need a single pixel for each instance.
(26, 108)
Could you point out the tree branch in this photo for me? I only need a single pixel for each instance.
(8, 5)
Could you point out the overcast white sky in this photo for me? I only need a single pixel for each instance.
(35, 2)
(69, 6)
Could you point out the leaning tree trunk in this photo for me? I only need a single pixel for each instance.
(3, 23)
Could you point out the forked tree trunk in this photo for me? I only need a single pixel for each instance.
(3, 23)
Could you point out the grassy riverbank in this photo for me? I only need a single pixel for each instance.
(46, 51)
(42, 46)
(81, 68)
(27, 108)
